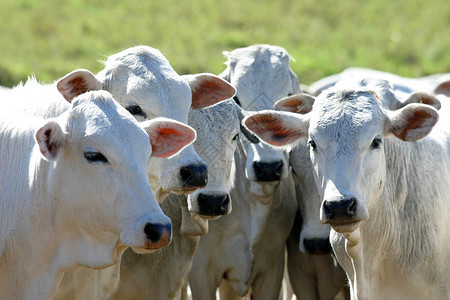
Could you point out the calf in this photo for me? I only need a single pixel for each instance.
(74, 191)
(373, 168)
(234, 255)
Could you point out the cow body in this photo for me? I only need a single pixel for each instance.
(244, 251)
(381, 176)
(64, 189)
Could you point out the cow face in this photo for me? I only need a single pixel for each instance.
(347, 130)
(100, 173)
(261, 75)
(217, 134)
(142, 80)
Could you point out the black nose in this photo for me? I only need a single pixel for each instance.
(154, 232)
(317, 246)
(210, 205)
(194, 176)
(340, 209)
(265, 171)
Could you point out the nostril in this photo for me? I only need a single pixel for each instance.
(225, 203)
(351, 210)
(153, 232)
(194, 175)
(326, 208)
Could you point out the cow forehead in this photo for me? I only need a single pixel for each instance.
(143, 76)
(220, 120)
(346, 114)
(96, 117)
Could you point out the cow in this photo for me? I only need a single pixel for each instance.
(373, 168)
(74, 191)
(162, 274)
(234, 254)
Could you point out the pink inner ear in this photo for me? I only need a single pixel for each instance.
(211, 91)
(295, 106)
(416, 126)
(74, 87)
(168, 141)
(443, 88)
(270, 129)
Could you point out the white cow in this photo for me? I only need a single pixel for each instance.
(245, 250)
(161, 275)
(74, 191)
(382, 178)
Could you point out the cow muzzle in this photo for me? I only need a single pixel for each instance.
(213, 205)
(342, 213)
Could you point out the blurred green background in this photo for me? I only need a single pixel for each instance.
(53, 37)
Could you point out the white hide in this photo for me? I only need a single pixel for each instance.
(58, 209)
(160, 275)
(397, 173)
(244, 251)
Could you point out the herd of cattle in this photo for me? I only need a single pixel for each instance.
(257, 187)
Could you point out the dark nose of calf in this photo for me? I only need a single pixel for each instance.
(159, 235)
(268, 171)
(194, 176)
(317, 246)
(340, 209)
(213, 205)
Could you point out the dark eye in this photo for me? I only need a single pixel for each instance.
(236, 99)
(289, 94)
(136, 110)
(94, 157)
(376, 143)
(312, 144)
(235, 137)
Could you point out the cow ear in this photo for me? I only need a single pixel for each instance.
(168, 137)
(208, 89)
(299, 103)
(413, 122)
(443, 88)
(419, 97)
(78, 82)
(50, 139)
(278, 128)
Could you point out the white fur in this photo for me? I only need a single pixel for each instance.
(61, 212)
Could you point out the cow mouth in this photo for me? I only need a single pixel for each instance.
(345, 226)
(186, 190)
(142, 250)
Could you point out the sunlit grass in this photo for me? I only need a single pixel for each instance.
(51, 38)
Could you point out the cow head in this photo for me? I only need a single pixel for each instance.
(142, 80)
(217, 134)
(346, 131)
(261, 75)
(99, 174)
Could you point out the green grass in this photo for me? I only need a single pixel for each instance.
(51, 37)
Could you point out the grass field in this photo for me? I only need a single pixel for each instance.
(51, 37)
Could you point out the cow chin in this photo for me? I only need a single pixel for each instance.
(140, 250)
(263, 190)
(345, 227)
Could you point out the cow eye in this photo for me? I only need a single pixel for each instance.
(376, 143)
(312, 144)
(289, 94)
(94, 157)
(235, 137)
(136, 110)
